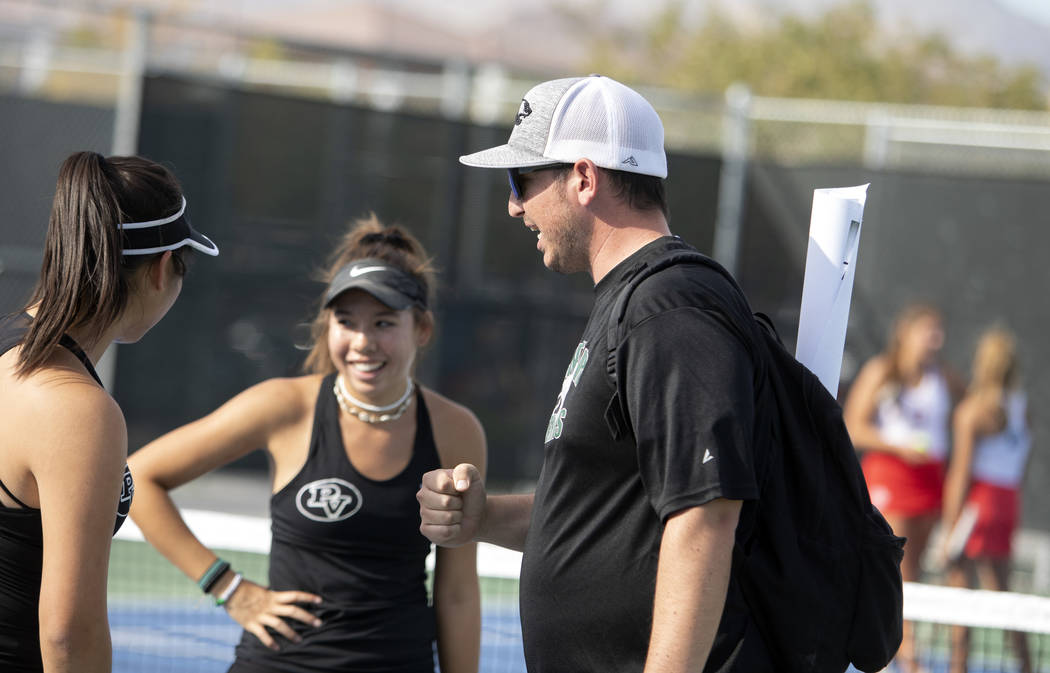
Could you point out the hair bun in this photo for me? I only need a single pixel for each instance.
(392, 237)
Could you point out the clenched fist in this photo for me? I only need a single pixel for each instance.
(451, 505)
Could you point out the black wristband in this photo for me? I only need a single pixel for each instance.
(212, 575)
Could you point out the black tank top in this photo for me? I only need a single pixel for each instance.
(356, 543)
(21, 541)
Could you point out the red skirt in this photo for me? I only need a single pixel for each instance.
(901, 488)
(998, 513)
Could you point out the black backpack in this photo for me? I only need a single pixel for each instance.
(818, 565)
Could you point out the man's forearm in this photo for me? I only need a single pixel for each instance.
(691, 584)
(506, 520)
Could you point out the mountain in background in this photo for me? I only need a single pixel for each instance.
(972, 26)
(553, 36)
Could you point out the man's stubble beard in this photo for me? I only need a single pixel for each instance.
(571, 245)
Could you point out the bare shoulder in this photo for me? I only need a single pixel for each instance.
(458, 433)
(73, 402)
(65, 416)
(990, 413)
(975, 413)
(279, 400)
(870, 378)
(875, 370)
(444, 411)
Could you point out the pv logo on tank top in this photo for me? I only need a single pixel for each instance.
(127, 486)
(328, 500)
(127, 491)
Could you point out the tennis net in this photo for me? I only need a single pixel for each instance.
(161, 623)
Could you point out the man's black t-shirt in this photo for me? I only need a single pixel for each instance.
(686, 386)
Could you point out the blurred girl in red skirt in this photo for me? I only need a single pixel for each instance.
(898, 413)
(982, 489)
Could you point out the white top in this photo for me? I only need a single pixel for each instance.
(917, 417)
(1000, 459)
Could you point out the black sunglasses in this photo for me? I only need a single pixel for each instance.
(514, 176)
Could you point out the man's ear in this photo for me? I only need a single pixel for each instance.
(585, 181)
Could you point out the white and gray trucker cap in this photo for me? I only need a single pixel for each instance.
(595, 117)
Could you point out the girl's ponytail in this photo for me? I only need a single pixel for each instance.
(85, 280)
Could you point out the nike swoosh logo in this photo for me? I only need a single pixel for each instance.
(362, 270)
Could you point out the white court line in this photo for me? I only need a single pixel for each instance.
(220, 530)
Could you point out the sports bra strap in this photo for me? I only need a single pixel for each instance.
(75, 349)
(17, 332)
(12, 496)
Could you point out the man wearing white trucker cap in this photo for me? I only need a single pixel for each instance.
(628, 540)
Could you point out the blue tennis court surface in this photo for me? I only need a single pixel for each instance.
(183, 637)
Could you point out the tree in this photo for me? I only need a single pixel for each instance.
(842, 54)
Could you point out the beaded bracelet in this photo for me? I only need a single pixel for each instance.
(227, 593)
(212, 575)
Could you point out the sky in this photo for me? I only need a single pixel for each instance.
(1038, 10)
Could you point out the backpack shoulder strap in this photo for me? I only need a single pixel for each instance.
(619, 311)
(767, 324)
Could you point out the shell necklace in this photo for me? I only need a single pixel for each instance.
(370, 413)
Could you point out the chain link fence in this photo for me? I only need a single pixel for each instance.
(279, 145)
